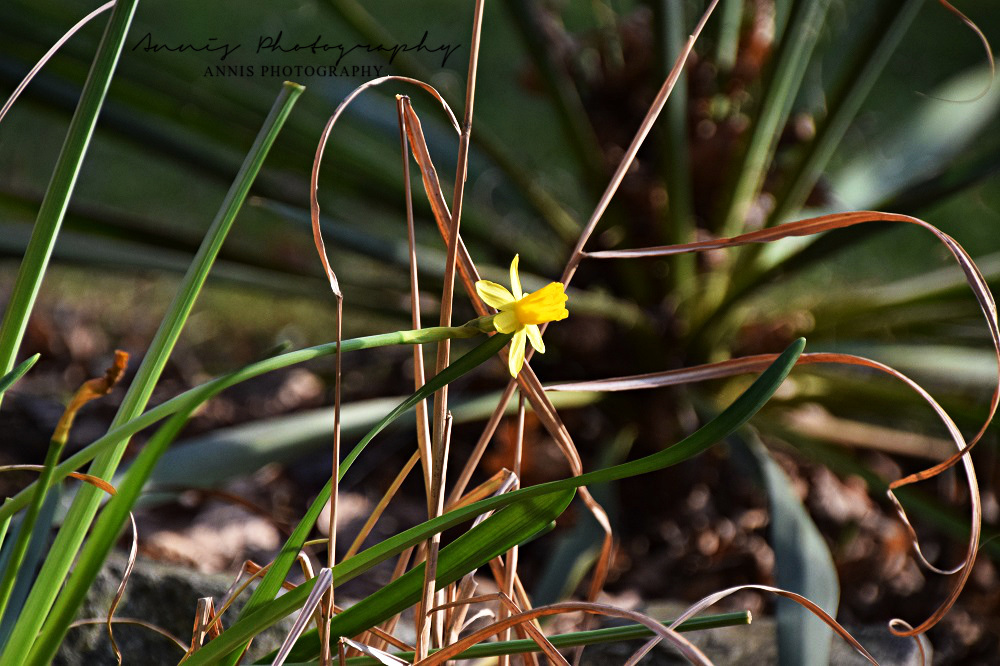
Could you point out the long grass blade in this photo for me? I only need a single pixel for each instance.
(802, 563)
(61, 186)
(85, 505)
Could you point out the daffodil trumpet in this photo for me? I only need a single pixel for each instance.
(520, 313)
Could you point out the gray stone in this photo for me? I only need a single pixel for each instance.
(163, 594)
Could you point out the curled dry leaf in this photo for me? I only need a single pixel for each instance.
(989, 309)
(986, 45)
(129, 565)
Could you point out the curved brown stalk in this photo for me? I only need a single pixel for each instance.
(48, 55)
(335, 288)
(129, 565)
(985, 42)
(321, 147)
(376, 513)
(715, 597)
(135, 622)
(92, 389)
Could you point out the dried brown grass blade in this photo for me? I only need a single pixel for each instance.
(797, 598)
(462, 482)
(441, 420)
(499, 480)
(381, 506)
(692, 653)
(546, 413)
(203, 625)
(256, 571)
(840, 221)
(419, 378)
(324, 581)
(469, 275)
(425, 620)
(640, 136)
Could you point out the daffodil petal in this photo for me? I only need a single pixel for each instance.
(515, 359)
(515, 280)
(506, 322)
(495, 295)
(535, 338)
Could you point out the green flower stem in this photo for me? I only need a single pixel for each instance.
(575, 639)
(62, 184)
(199, 393)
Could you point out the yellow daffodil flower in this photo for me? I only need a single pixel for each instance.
(521, 313)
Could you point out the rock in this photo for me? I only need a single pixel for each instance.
(162, 594)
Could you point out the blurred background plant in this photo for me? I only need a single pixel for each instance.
(786, 110)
